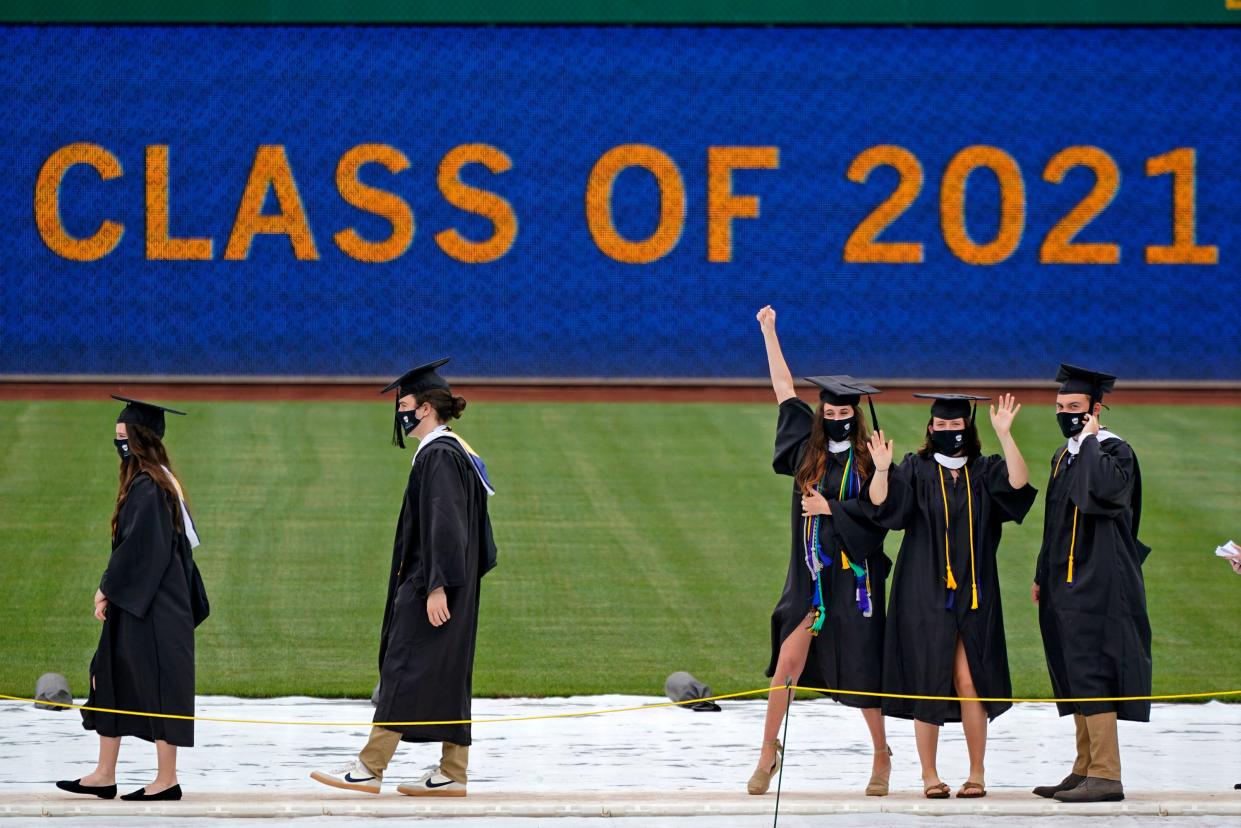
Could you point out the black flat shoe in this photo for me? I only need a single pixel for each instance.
(141, 795)
(76, 786)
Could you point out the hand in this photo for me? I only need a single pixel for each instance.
(1235, 563)
(101, 605)
(1002, 418)
(880, 452)
(1091, 427)
(767, 319)
(437, 607)
(1034, 593)
(814, 504)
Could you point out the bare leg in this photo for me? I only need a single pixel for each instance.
(789, 664)
(927, 736)
(166, 777)
(105, 771)
(881, 764)
(973, 715)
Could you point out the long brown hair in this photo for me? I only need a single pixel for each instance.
(147, 454)
(814, 460)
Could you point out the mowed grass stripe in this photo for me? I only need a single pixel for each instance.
(635, 539)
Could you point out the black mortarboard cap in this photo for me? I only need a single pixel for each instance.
(414, 381)
(952, 406)
(422, 378)
(1094, 384)
(842, 389)
(148, 415)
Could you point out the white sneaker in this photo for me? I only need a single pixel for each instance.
(352, 777)
(433, 783)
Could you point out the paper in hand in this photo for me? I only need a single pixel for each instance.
(1228, 549)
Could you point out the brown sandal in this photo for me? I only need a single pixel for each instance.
(977, 789)
(940, 791)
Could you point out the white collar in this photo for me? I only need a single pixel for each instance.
(950, 462)
(837, 448)
(439, 431)
(1075, 443)
(190, 531)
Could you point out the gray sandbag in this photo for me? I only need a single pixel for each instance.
(682, 687)
(52, 687)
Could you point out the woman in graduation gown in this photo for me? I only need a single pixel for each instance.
(827, 628)
(1089, 588)
(945, 632)
(443, 548)
(150, 599)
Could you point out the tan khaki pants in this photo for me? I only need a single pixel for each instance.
(382, 745)
(1098, 746)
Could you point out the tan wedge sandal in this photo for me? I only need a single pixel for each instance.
(878, 785)
(760, 782)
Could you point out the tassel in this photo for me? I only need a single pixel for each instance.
(974, 605)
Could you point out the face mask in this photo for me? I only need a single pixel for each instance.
(1071, 422)
(408, 420)
(838, 430)
(122, 449)
(948, 442)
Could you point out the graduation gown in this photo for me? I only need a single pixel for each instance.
(443, 539)
(848, 651)
(923, 624)
(1096, 634)
(145, 657)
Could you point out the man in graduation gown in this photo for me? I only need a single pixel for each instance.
(1089, 588)
(443, 548)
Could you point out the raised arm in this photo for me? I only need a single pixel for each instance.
(881, 454)
(781, 378)
(1002, 421)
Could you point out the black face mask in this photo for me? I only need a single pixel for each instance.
(838, 430)
(1071, 422)
(408, 421)
(948, 442)
(122, 449)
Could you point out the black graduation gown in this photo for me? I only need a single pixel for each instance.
(443, 539)
(1096, 634)
(145, 657)
(848, 651)
(922, 631)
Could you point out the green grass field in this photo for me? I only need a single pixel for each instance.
(634, 540)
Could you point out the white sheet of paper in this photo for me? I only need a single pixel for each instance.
(1228, 550)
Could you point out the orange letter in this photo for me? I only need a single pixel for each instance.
(47, 203)
(473, 200)
(271, 172)
(373, 200)
(722, 205)
(159, 244)
(671, 203)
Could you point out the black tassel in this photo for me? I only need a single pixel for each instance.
(398, 439)
(874, 418)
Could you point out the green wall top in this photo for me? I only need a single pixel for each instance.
(814, 12)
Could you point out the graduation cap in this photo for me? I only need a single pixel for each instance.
(1094, 384)
(414, 381)
(842, 389)
(952, 406)
(148, 415)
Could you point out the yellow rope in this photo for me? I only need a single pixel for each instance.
(584, 713)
